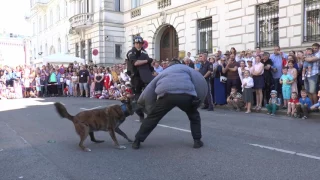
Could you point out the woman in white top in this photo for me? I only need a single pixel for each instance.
(258, 79)
(242, 69)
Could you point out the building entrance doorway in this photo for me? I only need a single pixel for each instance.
(169, 44)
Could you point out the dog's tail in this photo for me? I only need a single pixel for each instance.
(62, 111)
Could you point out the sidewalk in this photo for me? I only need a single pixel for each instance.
(282, 112)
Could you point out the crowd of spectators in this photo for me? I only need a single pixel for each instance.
(75, 80)
(239, 80)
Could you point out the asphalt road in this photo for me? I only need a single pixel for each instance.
(237, 146)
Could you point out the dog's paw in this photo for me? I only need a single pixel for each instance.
(87, 150)
(122, 147)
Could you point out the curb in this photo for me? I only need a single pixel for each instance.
(314, 115)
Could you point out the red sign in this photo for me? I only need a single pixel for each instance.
(145, 44)
(95, 52)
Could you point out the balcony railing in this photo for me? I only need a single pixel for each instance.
(135, 13)
(81, 20)
(39, 4)
(163, 3)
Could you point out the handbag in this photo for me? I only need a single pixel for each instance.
(223, 79)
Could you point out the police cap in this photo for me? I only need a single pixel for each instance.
(138, 39)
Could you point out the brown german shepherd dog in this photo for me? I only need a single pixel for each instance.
(104, 119)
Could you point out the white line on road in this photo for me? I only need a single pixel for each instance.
(286, 151)
(91, 108)
(170, 127)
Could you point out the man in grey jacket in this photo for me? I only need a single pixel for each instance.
(177, 86)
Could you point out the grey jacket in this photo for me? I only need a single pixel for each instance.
(176, 79)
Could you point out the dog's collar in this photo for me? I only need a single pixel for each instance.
(124, 110)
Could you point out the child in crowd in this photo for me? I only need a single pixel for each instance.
(317, 105)
(303, 107)
(274, 103)
(66, 91)
(307, 65)
(286, 80)
(235, 99)
(38, 85)
(75, 81)
(104, 94)
(247, 84)
(292, 104)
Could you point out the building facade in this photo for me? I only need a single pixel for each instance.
(13, 49)
(171, 27)
(77, 27)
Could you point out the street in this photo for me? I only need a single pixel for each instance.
(36, 144)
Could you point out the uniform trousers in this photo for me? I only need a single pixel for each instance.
(137, 87)
(165, 104)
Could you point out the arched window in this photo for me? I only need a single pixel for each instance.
(51, 18)
(40, 24)
(58, 13)
(45, 22)
(59, 45)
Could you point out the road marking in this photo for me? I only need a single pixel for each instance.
(15, 132)
(286, 151)
(171, 127)
(91, 108)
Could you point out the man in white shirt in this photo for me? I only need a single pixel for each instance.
(190, 57)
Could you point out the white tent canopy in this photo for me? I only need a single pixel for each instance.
(59, 59)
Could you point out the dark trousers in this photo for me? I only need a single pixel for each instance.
(209, 102)
(302, 110)
(166, 104)
(233, 82)
(137, 87)
(212, 89)
(44, 87)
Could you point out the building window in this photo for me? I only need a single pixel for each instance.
(51, 18)
(268, 24)
(311, 21)
(205, 35)
(34, 28)
(77, 50)
(40, 24)
(45, 22)
(118, 51)
(46, 49)
(135, 3)
(67, 44)
(90, 50)
(117, 5)
(66, 9)
(58, 13)
(83, 49)
(59, 45)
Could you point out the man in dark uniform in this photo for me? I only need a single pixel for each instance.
(177, 86)
(140, 70)
(206, 69)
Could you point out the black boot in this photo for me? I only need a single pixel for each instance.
(197, 144)
(136, 144)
